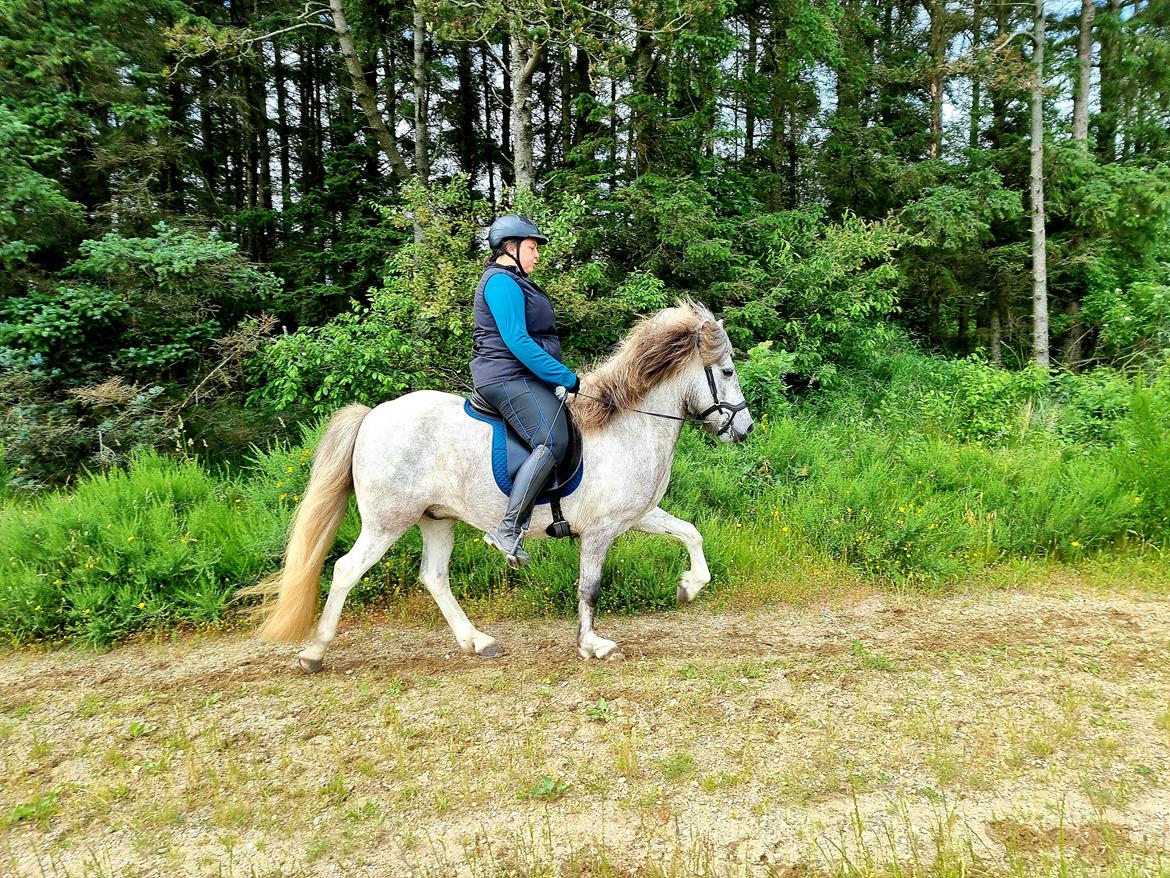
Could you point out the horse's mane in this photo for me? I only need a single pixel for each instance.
(656, 349)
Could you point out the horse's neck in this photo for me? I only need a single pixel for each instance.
(651, 439)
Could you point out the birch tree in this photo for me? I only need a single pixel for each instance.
(1036, 178)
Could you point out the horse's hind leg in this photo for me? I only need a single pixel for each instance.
(438, 539)
(659, 521)
(371, 545)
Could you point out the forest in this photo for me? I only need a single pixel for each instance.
(938, 232)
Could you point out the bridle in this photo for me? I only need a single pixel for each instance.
(719, 405)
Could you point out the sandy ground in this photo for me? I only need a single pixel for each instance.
(1006, 730)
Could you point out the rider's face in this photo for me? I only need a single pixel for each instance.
(529, 254)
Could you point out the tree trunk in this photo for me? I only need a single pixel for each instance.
(1074, 350)
(171, 176)
(976, 83)
(365, 95)
(792, 150)
(749, 75)
(1110, 88)
(776, 146)
(582, 127)
(467, 111)
(525, 59)
(1080, 124)
(422, 158)
(999, 96)
(304, 83)
(640, 119)
(546, 137)
(507, 165)
(488, 104)
(1036, 175)
(282, 127)
(613, 135)
(318, 127)
(995, 331)
(235, 150)
(208, 166)
(263, 123)
(566, 104)
(937, 10)
(262, 155)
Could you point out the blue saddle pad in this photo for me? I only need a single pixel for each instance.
(509, 451)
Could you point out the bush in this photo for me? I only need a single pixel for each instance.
(850, 478)
(160, 543)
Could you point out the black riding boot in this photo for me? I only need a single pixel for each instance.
(530, 480)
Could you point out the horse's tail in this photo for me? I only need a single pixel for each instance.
(290, 617)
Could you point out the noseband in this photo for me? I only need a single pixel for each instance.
(720, 406)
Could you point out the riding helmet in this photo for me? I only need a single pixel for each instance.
(513, 226)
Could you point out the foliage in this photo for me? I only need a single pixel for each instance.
(151, 310)
(363, 356)
(33, 209)
(166, 541)
(162, 543)
(830, 286)
(761, 376)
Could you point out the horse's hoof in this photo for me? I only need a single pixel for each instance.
(310, 666)
(682, 596)
(492, 650)
(605, 650)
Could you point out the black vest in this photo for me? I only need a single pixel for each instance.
(491, 359)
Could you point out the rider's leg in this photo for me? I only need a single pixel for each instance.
(534, 412)
(530, 480)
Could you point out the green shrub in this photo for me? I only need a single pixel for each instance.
(848, 479)
(761, 376)
(160, 543)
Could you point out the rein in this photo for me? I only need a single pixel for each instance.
(720, 406)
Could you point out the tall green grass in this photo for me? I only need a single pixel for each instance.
(161, 543)
(878, 474)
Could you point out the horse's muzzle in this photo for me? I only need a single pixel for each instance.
(740, 435)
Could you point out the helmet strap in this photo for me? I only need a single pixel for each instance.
(516, 257)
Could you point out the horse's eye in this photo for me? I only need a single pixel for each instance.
(727, 373)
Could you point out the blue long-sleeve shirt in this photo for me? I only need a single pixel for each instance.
(506, 302)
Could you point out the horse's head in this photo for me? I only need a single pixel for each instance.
(714, 394)
(683, 347)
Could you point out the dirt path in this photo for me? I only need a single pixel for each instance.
(1012, 729)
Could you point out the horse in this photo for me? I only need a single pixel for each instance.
(420, 459)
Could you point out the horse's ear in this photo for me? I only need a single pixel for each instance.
(720, 322)
(700, 331)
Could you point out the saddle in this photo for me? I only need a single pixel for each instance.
(509, 451)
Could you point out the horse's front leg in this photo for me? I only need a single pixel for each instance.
(594, 548)
(658, 521)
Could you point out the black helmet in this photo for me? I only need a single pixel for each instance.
(512, 226)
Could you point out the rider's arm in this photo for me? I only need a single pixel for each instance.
(506, 302)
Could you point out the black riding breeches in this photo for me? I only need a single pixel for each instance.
(531, 409)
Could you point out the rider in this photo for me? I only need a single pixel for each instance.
(517, 368)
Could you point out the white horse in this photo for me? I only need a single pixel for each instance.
(421, 460)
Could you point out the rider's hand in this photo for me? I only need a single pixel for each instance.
(561, 391)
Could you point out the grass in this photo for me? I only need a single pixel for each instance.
(861, 488)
